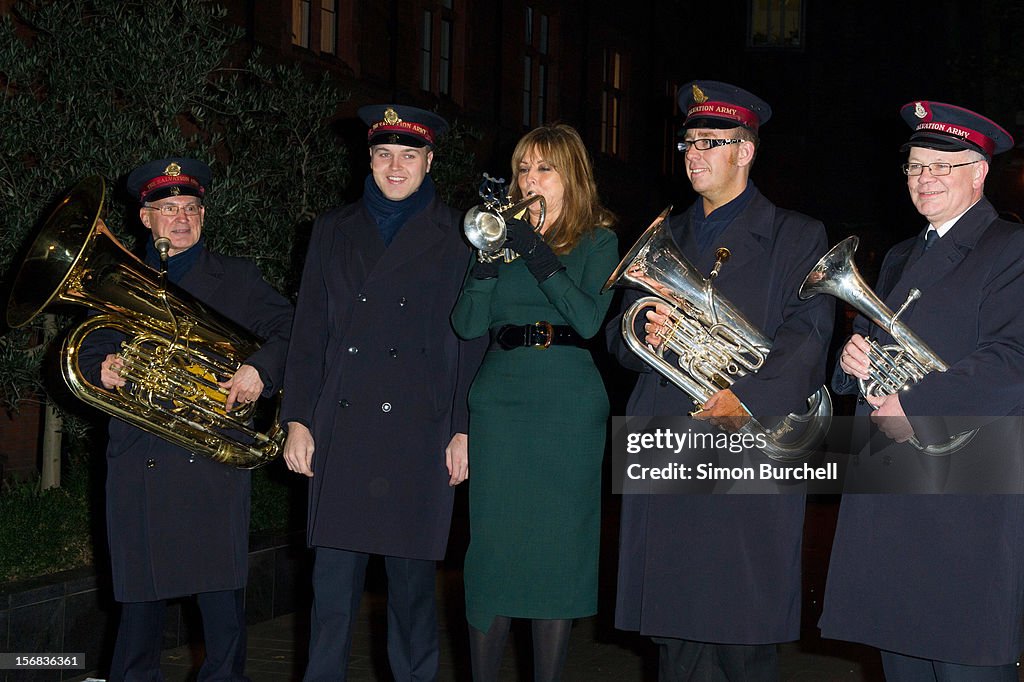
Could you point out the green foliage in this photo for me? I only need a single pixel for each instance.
(45, 531)
(101, 86)
(453, 169)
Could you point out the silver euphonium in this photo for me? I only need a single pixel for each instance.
(893, 367)
(484, 225)
(710, 344)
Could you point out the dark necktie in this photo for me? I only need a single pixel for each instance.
(930, 238)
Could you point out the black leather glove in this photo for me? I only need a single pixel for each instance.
(483, 270)
(540, 260)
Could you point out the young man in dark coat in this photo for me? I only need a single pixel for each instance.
(178, 523)
(934, 580)
(715, 579)
(375, 396)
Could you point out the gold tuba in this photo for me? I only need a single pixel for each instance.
(712, 342)
(893, 367)
(484, 225)
(176, 349)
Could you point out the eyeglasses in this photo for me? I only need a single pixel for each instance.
(703, 144)
(936, 169)
(171, 210)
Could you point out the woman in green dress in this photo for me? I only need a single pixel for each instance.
(538, 410)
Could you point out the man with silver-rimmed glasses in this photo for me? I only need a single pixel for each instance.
(934, 580)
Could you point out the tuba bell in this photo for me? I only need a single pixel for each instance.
(893, 367)
(176, 348)
(710, 344)
(484, 225)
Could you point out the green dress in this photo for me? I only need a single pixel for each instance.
(537, 421)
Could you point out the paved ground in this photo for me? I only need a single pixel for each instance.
(597, 652)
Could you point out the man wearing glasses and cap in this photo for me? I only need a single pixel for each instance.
(715, 579)
(934, 581)
(178, 524)
(375, 395)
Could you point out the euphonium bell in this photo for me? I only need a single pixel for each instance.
(710, 344)
(893, 367)
(484, 225)
(176, 348)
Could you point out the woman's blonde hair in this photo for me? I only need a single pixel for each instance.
(560, 145)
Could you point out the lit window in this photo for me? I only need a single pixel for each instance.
(611, 102)
(300, 22)
(776, 23)
(329, 26)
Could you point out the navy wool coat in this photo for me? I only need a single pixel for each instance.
(380, 378)
(726, 568)
(177, 523)
(939, 576)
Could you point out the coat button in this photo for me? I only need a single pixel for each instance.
(385, 407)
(402, 301)
(344, 403)
(393, 352)
(150, 463)
(352, 350)
(361, 298)
(663, 382)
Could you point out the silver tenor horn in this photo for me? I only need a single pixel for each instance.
(893, 367)
(484, 225)
(710, 344)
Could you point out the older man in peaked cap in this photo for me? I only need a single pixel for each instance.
(715, 579)
(934, 580)
(375, 395)
(177, 523)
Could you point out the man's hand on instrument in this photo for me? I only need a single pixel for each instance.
(725, 411)
(298, 449)
(110, 372)
(244, 387)
(854, 360)
(890, 418)
(658, 325)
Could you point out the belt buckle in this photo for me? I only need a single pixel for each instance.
(547, 329)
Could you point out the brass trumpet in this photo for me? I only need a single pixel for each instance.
(176, 348)
(484, 225)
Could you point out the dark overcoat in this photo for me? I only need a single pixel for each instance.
(726, 568)
(377, 374)
(177, 523)
(940, 576)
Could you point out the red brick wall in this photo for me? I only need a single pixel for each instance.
(19, 440)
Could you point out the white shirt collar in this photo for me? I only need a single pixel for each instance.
(946, 226)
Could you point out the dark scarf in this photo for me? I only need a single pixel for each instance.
(178, 264)
(706, 229)
(392, 215)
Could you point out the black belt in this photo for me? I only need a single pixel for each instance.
(537, 335)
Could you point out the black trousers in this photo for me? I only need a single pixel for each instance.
(901, 668)
(339, 577)
(140, 637)
(682, 660)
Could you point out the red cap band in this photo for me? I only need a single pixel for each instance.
(403, 128)
(731, 112)
(165, 180)
(973, 136)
